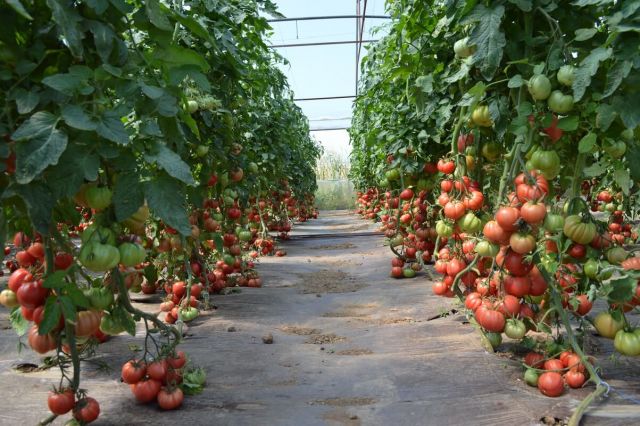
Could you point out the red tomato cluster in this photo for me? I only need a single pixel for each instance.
(157, 380)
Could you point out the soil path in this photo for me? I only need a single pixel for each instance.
(350, 347)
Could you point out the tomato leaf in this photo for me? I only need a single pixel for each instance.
(588, 68)
(524, 5)
(618, 72)
(628, 107)
(26, 101)
(583, 34)
(568, 124)
(157, 17)
(68, 308)
(515, 81)
(488, 37)
(19, 324)
(587, 143)
(621, 289)
(605, 114)
(128, 195)
(55, 280)
(175, 56)
(68, 20)
(111, 127)
(77, 296)
(42, 145)
(165, 197)
(171, 163)
(39, 201)
(51, 316)
(217, 238)
(622, 178)
(122, 317)
(19, 8)
(76, 117)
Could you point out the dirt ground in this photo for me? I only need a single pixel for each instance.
(350, 347)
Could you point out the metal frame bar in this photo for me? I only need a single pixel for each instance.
(330, 128)
(315, 18)
(325, 98)
(323, 43)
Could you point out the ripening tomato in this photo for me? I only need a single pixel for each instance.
(533, 213)
(178, 361)
(551, 384)
(507, 217)
(170, 399)
(157, 370)
(575, 379)
(146, 390)
(86, 410)
(516, 264)
(133, 371)
(61, 401)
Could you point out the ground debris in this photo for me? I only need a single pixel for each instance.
(320, 339)
(267, 339)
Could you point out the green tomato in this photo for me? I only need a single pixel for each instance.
(444, 229)
(548, 162)
(99, 257)
(470, 223)
(531, 377)
(515, 329)
(462, 49)
(192, 106)
(627, 342)
(494, 338)
(590, 268)
(560, 103)
(131, 254)
(566, 75)
(223, 179)
(487, 249)
(100, 297)
(481, 116)
(553, 222)
(539, 87)
(491, 151)
(252, 167)
(606, 325)
(202, 150)
(616, 255)
(408, 273)
(578, 231)
(245, 236)
(95, 233)
(424, 184)
(9, 298)
(615, 149)
(393, 174)
(188, 314)
(228, 259)
(627, 135)
(98, 197)
(396, 241)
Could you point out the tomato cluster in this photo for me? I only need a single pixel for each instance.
(157, 380)
(551, 374)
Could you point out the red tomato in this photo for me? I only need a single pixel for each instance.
(18, 277)
(507, 217)
(61, 402)
(170, 399)
(534, 359)
(551, 384)
(158, 369)
(86, 410)
(575, 379)
(553, 365)
(146, 390)
(133, 371)
(31, 294)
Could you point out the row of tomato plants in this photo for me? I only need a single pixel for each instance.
(497, 142)
(147, 146)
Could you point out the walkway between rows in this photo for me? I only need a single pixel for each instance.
(351, 346)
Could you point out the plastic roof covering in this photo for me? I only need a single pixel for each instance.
(324, 71)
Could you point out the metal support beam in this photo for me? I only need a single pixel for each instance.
(323, 43)
(329, 129)
(315, 18)
(325, 98)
